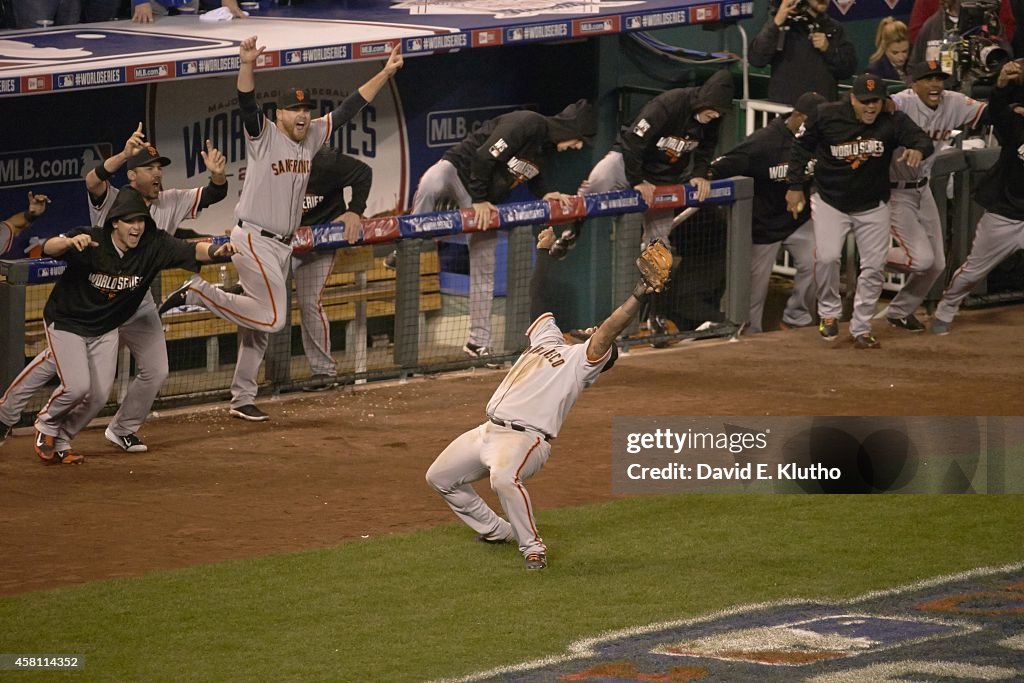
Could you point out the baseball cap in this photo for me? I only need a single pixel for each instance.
(926, 70)
(146, 156)
(868, 87)
(128, 204)
(293, 98)
(808, 103)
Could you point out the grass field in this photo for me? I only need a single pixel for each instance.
(431, 604)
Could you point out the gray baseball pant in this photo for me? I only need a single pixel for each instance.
(871, 231)
(311, 270)
(508, 458)
(608, 175)
(86, 367)
(916, 224)
(800, 305)
(995, 239)
(143, 334)
(441, 181)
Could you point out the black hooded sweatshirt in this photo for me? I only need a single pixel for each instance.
(659, 144)
(511, 149)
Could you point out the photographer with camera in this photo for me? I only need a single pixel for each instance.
(966, 38)
(807, 50)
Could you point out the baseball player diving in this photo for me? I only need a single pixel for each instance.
(1000, 230)
(280, 157)
(526, 413)
(142, 333)
(915, 217)
(853, 143)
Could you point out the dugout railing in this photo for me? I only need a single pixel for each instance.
(393, 324)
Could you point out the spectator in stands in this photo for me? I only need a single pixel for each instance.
(764, 156)
(19, 222)
(1010, 11)
(39, 13)
(482, 170)
(146, 11)
(807, 50)
(892, 49)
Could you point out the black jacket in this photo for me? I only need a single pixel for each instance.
(1002, 189)
(764, 156)
(883, 68)
(851, 169)
(659, 144)
(503, 153)
(101, 289)
(797, 67)
(330, 173)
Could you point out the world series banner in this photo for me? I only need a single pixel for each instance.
(881, 454)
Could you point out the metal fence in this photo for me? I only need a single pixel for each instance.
(385, 323)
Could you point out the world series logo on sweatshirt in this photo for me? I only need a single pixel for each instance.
(857, 151)
(674, 147)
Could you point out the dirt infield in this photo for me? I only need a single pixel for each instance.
(349, 464)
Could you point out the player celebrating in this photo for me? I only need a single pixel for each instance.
(1000, 230)
(331, 175)
(915, 217)
(764, 156)
(109, 272)
(526, 413)
(672, 129)
(269, 210)
(142, 333)
(853, 142)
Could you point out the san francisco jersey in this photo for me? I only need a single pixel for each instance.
(543, 385)
(169, 209)
(955, 111)
(276, 175)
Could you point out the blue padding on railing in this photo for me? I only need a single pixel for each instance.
(524, 213)
(436, 224)
(613, 203)
(441, 223)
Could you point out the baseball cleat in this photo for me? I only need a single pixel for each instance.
(536, 561)
(175, 298)
(5, 431)
(480, 352)
(130, 443)
(909, 323)
(250, 413)
(829, 328)
(940, 327)
(68, 456)
(45, 447)
(866, 341)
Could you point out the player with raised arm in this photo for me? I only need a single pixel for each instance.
(280, 157)
(526, 413)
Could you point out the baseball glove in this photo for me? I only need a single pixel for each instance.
(655, 265)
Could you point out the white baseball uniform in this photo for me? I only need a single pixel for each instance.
(142, 333)
(913, 213)
(525, 413)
